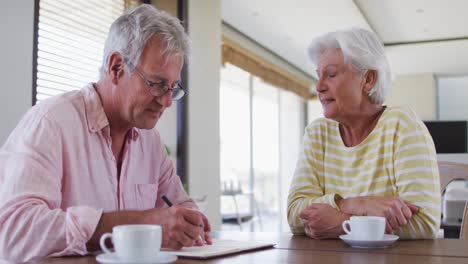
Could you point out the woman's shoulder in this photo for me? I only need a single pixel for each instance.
(321, 129)
(320, 124)
(401, 115)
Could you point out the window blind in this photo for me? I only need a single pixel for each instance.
(71, 36)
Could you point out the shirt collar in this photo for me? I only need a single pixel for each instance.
(95, 116)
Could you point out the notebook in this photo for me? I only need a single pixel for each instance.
(220, 247)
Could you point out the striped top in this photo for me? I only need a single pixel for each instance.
(396, 159)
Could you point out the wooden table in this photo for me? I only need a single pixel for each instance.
(271, 256)
(300, 249)
(437, 247)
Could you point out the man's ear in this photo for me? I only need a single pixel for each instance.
(370, 78)
(116, 67)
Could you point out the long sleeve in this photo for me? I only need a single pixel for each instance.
(307, 183)
(32, 223)
(417, 180)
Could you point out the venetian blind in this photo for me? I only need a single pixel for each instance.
(71, 36)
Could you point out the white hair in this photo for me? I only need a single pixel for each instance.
(130, 32)
(362, 50)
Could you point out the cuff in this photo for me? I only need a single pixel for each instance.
(80, 224)
(334, 201)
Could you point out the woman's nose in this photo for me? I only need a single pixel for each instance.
(320, 86)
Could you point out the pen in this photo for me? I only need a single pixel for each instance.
(169, 203)
(166, 200)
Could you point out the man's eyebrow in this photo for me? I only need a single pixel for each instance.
(159, 76)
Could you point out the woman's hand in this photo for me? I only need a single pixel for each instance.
(396, 211)
(322, 221)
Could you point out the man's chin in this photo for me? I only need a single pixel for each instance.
(147, 124)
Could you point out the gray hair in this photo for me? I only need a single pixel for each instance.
(362, 50)
(130, 32)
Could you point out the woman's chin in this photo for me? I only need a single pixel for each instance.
(327, 113)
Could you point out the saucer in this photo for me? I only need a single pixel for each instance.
(386, 241)
(160, 258)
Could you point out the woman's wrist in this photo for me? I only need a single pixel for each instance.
(352, 206)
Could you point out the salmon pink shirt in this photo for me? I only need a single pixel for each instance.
(58, 175)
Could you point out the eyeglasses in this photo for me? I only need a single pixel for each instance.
(160, 87)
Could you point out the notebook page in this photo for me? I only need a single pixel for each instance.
(220, 247)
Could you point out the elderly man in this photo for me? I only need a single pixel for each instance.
(80, 163)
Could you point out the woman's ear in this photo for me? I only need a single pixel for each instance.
(116, 67)
(370, 78)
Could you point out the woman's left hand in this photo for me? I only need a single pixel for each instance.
(322, 221)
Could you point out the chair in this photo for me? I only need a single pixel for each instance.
(464, 225)
(450, 171)
(237, 217)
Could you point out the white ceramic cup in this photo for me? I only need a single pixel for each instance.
(365, 227)
(134, 242)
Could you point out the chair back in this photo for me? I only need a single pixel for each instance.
(464, 225)
(450, 171)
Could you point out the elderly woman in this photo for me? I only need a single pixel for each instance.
(363, 158)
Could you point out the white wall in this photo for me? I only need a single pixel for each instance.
(458, 158)
(204, 27)
(453, 94)
(16, 51)
(416, 91)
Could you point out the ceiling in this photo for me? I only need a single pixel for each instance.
(420, 36)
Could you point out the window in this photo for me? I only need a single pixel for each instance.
(261, 128)
(314, 110)
(71, 36)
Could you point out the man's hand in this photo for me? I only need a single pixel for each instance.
(396, 211)
(206, 230)
(322, 221)
(182, 227)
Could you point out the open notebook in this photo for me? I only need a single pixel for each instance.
(220, 247)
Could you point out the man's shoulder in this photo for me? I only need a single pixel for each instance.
(64, 106)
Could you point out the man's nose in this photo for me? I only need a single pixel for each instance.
(166, 99)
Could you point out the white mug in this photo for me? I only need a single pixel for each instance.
(134, 242)
(365, 227)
